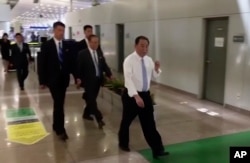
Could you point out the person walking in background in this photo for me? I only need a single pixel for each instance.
(55, 63)
(82, 45)
(91, 65)
(21, 56)
(138, 68)
(5, 51)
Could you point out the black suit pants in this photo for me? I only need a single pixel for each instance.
(146, 116)
(90, 95)
(22, 74)
(58, 94)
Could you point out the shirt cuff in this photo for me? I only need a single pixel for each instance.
(132, 93)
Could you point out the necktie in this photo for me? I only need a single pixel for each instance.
(60, 52)
(20, 47)
(144, 76)
(96, 64)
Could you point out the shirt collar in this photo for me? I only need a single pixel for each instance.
(87, 41)
(138, 56)
(57, 41)
(91, 50)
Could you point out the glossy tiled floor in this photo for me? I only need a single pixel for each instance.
(177, 117)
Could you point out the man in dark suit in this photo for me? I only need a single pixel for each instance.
(91, 65)
(21, 55)
(55, 64)
(81, 45)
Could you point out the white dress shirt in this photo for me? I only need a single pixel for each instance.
(57, 44)
(95, 59)
(87, 42)
(132, 67)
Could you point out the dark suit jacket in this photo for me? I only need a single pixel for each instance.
(86, 68)
(20, 58)
(81, 45)
(50, 71)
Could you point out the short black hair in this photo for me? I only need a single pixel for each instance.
(86, 27)
(137, 40)
(92, 36)
(5, 34)
(18, 34)
(58, 23)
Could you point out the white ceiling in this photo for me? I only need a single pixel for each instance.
(40, 14)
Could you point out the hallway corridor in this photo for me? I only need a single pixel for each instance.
(180, 118)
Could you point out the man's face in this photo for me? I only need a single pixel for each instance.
(19, 39)
(88, 32)
(94, 43)
(142, 47)
(59, 32)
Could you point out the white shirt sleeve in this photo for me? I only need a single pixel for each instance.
(155, 74)
(127, 67)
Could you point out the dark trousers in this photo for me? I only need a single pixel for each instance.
(58, 94)
(90, 96)
(146, 116)
(22, 74)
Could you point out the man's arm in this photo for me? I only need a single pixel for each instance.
(105, 65)
(28, 50)
(73, 53)
(12, 53)
(156, 69)
(42, 62)
(79, 65)
(129, 84)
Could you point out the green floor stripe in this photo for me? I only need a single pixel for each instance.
(210, 150)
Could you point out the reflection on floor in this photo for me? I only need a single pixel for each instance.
(180, 118)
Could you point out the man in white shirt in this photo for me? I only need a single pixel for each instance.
(138, 69)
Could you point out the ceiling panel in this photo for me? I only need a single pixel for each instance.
(46, 11)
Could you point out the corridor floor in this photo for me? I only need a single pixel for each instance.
(181, 120)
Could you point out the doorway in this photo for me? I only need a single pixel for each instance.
(120, 46)
(98, 32)
(215, 59)
(70, 33)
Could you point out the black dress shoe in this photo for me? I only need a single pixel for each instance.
(63, 136)
(89, 118)
(101, 124)
(160, 154)
(123, 148)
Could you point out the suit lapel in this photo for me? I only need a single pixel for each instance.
(18, 48)
(91, 59)
(54, 46)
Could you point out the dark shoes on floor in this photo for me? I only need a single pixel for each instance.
(101, 124)
(89, 118)
(124, 148)
(61, 135)
(156, 155)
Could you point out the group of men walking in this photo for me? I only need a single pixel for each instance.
(56, 62)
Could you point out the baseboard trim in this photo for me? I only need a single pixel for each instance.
(237, 109)
(176, 90)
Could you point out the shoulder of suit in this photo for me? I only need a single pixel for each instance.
(84, 51)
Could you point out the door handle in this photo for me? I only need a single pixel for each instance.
(208, 61)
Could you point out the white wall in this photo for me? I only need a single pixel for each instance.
(176, 32)
(5, 18)
(5, 26)
(5, 13)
